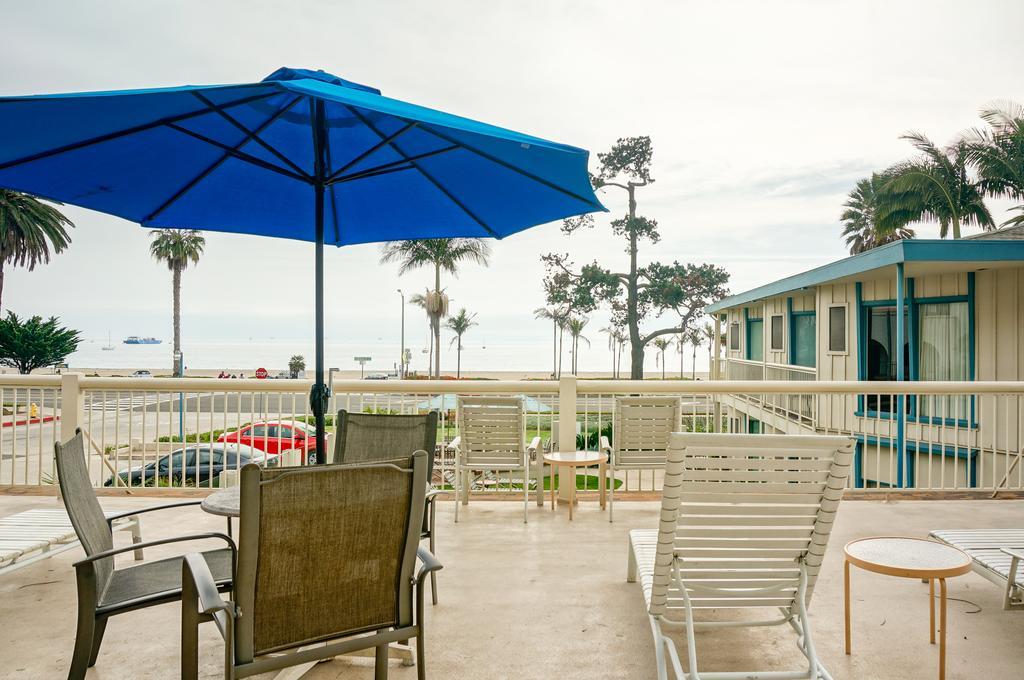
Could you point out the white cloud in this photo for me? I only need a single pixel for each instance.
(762, 115)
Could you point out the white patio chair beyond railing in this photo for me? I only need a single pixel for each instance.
(491, 439)
(641, 428)
(745, 520)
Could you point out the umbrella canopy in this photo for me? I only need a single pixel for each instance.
(449, 402)
(301, 154)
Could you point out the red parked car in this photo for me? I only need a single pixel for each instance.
(274, 437)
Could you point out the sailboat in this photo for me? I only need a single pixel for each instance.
(108, 346)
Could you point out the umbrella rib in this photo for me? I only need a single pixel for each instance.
(425, 174)
(513, 168)
(240, 155)
(220, 161)
(405, 163)
(256, 138)
(373, 149)
(129, 131)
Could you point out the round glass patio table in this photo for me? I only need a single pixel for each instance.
(917, 558)
(223, 502)
(573, 460)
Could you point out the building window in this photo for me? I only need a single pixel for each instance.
(837, 329)
(777, 332)
(734, 336)
(881, 355)
(755, 339)
(943, 332)
(804, 340)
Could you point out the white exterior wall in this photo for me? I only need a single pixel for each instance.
(999, 355)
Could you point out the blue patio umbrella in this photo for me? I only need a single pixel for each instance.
(301, 154)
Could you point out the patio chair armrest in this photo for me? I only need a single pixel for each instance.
(454, 444)
(432, 494)
(606, 445)
(139, 511)
(163, 541)
(534, 445)
(429, 563)
(1017, 553)
(196, 568)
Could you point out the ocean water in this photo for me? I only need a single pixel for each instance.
(273, 354)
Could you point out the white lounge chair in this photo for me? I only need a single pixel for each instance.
(491, 438)
(34, 535)
(745, 520)
(640, 432)
(996, 554)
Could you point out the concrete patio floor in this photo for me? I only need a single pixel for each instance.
(549, 599)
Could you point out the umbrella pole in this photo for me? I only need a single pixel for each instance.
(319, 397)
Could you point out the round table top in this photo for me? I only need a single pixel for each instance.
(575, 459)
(224, 502)
(907, 557)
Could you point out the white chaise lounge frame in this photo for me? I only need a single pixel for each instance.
(37, 534)
(745, 521)
(996, 555)
(492, 438)
(641, 427)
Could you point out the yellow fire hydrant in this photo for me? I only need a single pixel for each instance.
(33, 411)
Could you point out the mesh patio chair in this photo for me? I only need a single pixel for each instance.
(375, 438)
(103, 589)
(309, 586)
(491, 439)
(640, 434)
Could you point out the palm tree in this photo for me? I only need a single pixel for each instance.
(998, 153)
(441, 254)
(708, 331)
(29, 229)
(420, 300)
(556, 316)
(860, 222)
(681, 347)
(696, 338)
(459, 324)
(575, 326)
(622, 338)
(177, 248)
(935, 187)
(613, 341)
(662, 344)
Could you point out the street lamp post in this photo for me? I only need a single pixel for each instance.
(401, 360)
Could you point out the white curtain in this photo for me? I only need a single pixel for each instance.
(944, 345)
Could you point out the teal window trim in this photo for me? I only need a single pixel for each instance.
(792, 339)
(746, 330)
(916, 418)
(861, 331)
(945, 450)
(791, 353)
(913, 317)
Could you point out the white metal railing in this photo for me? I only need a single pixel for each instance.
(917, 435)
(742, 369)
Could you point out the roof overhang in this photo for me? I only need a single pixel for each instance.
(924, 256)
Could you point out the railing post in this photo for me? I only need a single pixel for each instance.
(70, 405)
(566, 434)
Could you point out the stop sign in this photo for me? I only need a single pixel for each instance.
(261, 373)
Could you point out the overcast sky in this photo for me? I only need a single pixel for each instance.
(762, 114)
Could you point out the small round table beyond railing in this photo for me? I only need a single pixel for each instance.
(573, 460)
(917, 558)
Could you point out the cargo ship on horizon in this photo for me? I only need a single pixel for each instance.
(136, 340)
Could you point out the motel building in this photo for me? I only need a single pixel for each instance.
(912, 311)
